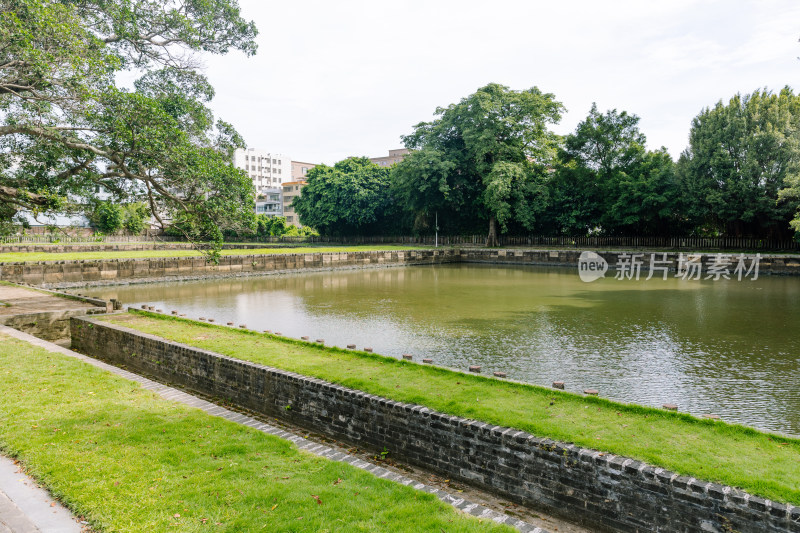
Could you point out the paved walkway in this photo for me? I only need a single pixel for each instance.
(26, 508)
(20, 300)
(333, 453)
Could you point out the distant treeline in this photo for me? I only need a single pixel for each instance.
(491, 161)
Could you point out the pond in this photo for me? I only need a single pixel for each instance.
(723, 347)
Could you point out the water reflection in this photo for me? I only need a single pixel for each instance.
(724, 347)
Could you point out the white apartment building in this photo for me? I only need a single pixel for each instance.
(267, 170)
(269, 201)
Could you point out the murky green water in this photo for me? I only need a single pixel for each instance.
(726, 347)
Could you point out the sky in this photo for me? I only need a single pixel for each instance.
(337, 79)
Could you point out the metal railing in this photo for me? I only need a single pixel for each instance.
(673, 243)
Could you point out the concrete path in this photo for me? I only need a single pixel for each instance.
(331, 452)
(26, 508)
(20, 300)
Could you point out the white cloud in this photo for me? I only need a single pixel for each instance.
(333, 79)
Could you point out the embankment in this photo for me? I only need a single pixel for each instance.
(604, 491)
(781, 264)
(98, 272)
(63, 274)
(44, 314)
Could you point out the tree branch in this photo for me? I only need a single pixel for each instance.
(21, 197)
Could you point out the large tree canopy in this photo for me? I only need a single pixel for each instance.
(607, 181)
(68, 131)
(740, 155)
(487, 156)
(350, 198)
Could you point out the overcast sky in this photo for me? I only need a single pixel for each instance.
(334, 79)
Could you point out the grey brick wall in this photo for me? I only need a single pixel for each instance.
(598, 490)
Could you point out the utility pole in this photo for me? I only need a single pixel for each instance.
(436, 239)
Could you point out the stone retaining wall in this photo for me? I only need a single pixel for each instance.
(602, 491)
(48, 325)
(768, 263)
(48, 320)
(93, 272)
(71, 273)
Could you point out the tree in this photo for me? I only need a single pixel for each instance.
(425, 183)
(108, 217)
(792, 194)
(277, 225)
(485, 157)
(68, 131)
(135, 214)
(645, 202)
(740, 155)
(607, 181)
(350, 198)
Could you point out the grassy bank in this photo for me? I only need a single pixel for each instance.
(763, 464)
(31, 257)
(128, 460)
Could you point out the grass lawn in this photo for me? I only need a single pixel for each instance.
(128, 460)
(30, 257)
(761, 463)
